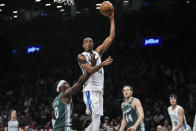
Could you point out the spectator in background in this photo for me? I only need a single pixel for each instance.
(147, 119)
(111, 126)
(166, 126)
(159, 128)
(158, 118)
(106, 122)
(116, 125)
(102, 127)
(152, 126)
(13, 124)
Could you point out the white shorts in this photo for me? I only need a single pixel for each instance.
(93, 101)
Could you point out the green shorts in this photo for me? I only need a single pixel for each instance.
(63, 129)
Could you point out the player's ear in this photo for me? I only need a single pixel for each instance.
(83, 44)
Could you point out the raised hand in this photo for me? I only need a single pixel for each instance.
(108, 61)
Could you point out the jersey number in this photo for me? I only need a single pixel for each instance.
(56, 112)
(129, 118)
(175, 123)
(100, 71)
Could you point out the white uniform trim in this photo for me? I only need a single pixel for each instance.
(175, 118)
(96, 80)
(59, 85)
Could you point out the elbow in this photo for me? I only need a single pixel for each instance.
(90, 71)
(142, 116)
(112, 36)
(181, 124)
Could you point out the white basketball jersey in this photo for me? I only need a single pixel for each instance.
(13, 125)
(96, 80)
(175, 118)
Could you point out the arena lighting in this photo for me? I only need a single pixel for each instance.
(126, 1)
(62, 10)
(151, 41)
(15, 12)
(98, 4)
(59, 6)
(97, 8)
(48, 4)
(37, 0)
(13, 51)
(32, 49)
(2, 4)
(15, 16)
(0, 10)
(44, 13)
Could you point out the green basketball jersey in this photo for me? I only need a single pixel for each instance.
(131, 115)
(63, 113)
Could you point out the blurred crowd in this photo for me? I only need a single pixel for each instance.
(27, 81)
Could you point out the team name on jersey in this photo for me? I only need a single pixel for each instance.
(56, 103)
(173, 117)
(128, 110)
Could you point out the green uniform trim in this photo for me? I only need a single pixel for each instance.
(131, 115)
(63, 113)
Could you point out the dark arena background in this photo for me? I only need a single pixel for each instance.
(154, 49)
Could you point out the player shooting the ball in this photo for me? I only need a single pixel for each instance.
(93, 87)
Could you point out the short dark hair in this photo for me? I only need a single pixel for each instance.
(84, 40)
(12, 110)
(173, 96)
(130, 87)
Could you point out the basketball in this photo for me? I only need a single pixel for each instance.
(106, 8)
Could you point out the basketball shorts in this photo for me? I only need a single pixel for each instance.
(93, 101)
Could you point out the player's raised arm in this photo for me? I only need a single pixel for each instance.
(77, 86)
(90, 68)
(108, 41)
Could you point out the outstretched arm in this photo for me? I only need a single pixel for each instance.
(65, 97)
(89, 68)
(108, 41)
(77, 86)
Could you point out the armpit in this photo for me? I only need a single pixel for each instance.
(82, 61)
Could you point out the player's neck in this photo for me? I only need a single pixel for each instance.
(174, 107)
(89, 51)
(12, 119)
(128, 99)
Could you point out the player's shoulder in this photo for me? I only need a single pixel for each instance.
(81, 56)
(169, 108)
(122, 104)
(180, 107)
(135, 99)
(95, 52)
